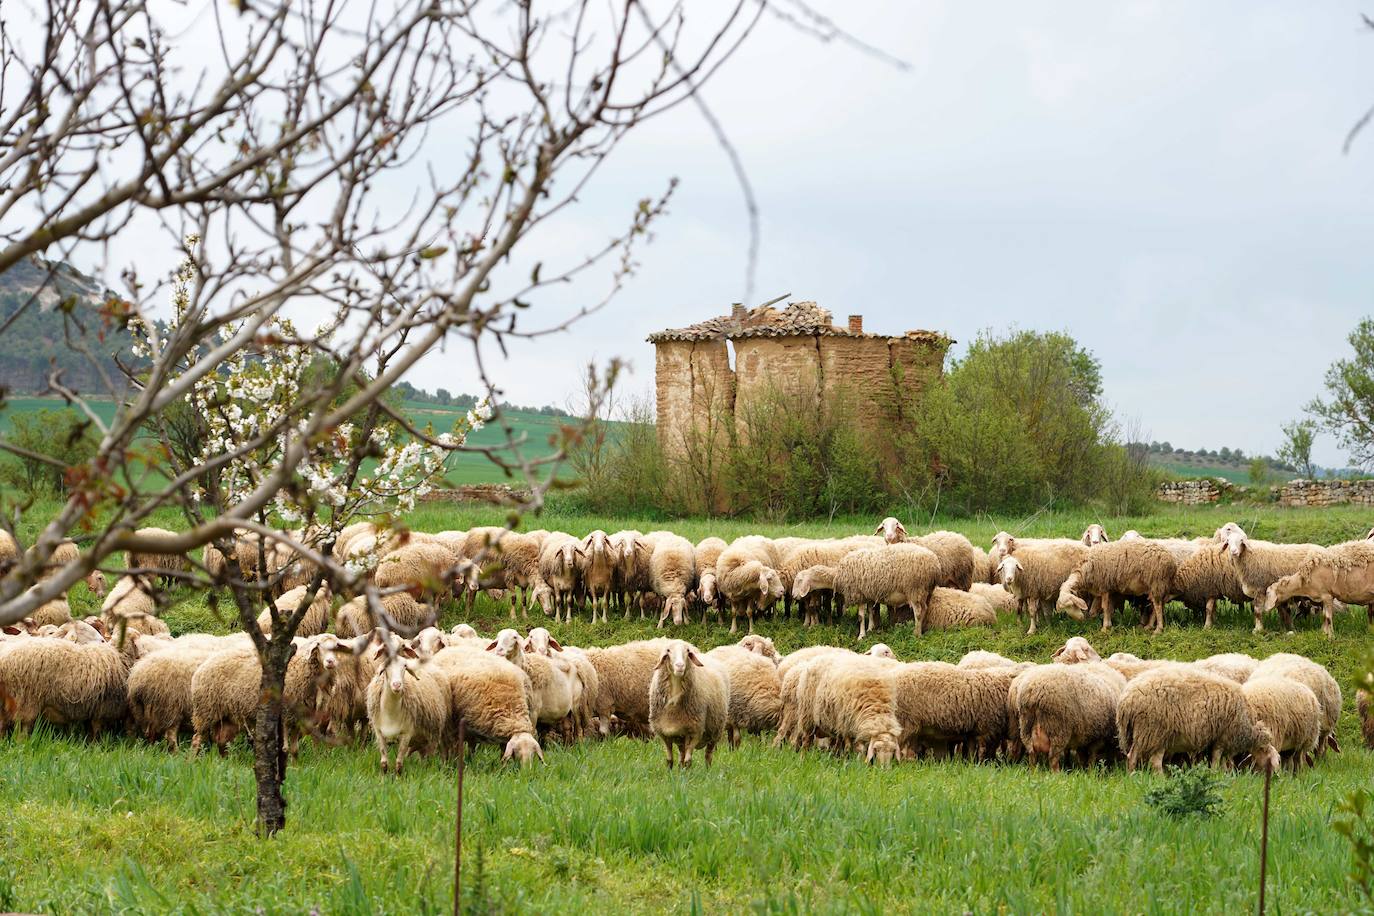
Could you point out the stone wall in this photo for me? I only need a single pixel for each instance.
(1327, 493)
(1189, 492)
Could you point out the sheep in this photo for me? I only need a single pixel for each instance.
(226, 691)
(1181, 709)
(955, 554)
(625, 672)
(1035, 573)
(518, 555)
(347, 535)
(1344, 572)
(950, 609)
(1094, 534)
(161, 564)
(940, 706)
(978, 658)
(494, 700)
(849, 698)
(405, 713)
(1005, 544)
(1291, 713)
(596, 568)
(1235, 666)
(559, 560)
(755, 691)
(761, 645)
(131, 604)
(689, 702)
(1259, 564)
(1002, 601)
(898, 575)
(1121, 567)
(575, 664)
(707, 552)
(984, 572)
(555, 693)
(9, 552)
(64, 554)
(1077, 650)
(316, 619)
(672, 572)
(746, 574)
(892, 531)
(1064, 708)
(817, 581)
(1206, 576)
(52, 613)
(74, 677)
(349, 668)
(159, 691)
(420, 568)
(630, 576)
(1318, 680)
(805, 556)
(1366, 715)
(355, 617)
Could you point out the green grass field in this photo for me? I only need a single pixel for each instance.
(119, 826)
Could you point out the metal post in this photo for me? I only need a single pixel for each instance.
(458, 826)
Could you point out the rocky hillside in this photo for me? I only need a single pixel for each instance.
(44, 308)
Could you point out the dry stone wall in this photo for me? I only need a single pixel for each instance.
(1327, 493)
(1189, 492)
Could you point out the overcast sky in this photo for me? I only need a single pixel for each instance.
(1164, 180)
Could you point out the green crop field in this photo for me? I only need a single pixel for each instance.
(120, 826)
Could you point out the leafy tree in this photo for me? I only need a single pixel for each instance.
(1348, 410)
(55, 441)
(1296, 449)
(1259, 471)
(1225, 453)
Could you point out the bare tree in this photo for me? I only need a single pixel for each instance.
(376, 168)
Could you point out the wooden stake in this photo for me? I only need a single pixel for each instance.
(458, 827)
(1264, 836)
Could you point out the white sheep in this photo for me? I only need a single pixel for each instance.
(689, 702)
(407, 703)
(672, 573)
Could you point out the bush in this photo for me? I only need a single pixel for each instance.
(1189, 791)
(65, 435)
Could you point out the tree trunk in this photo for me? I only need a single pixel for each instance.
(269, 750)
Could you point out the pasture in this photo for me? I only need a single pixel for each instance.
(120, 826)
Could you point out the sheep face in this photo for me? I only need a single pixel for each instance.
(95, 581)
(1263, 754)
(543, 594)
(882, 750)
(761, 645)
(597, 545)
(80, 632)
(881, 650)
(1285, 589)
(773, 590)
(676, 605)
(508, 645)
(428, 641)
(1076, 650)
(1009, 573)
(524, 748)
(1003, 543)
(1132, 535)
(893, 531)
(1095, 534)
(706, 590)
(677, 655)
(405, 662)
(541, 642)
(1069, 601)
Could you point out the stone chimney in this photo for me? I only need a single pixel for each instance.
(856, 323)
(737, 312)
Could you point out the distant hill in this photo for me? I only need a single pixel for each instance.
(43, 305)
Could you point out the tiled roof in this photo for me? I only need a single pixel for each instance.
(796, 319)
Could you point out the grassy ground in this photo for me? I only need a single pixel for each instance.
(119, 826)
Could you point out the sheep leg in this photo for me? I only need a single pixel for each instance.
(863, 619)
(668, 743)
(382, 750)
(1032, 610)
(1107, 601)
(686, 747)
(1328, 609)
(1286, 615)
(1210, 614)
(734, 619)
(734, 737)
(1158, 605)
(1157, 763)
(1258, 605)
(171, 739)
(918, 615)
(710, 749)
(749, 612)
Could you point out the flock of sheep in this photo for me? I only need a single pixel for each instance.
(349, 676)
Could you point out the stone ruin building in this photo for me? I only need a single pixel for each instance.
(707, 373)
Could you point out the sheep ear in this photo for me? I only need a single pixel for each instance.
(695, 659)
(869, 757)
(491, 646)
(901, 528)
(12, 631)
(99, 626)
(409, 652)
(529, 646)
(662, 659)
(539, 750)
(1058, 652)
(879, 529)
(553, 644)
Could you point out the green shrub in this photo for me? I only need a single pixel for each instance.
(1190, 791)
(65, 435)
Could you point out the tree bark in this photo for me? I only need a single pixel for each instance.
(269, 745)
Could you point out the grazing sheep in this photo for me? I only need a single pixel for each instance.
(746, 574)
(1077, 650)
(898, 575)
(1235, 666)
(1206, 576)
(574, 664)
(625, 672)
(316, 619)
(493, 698)
(755, 691)
(689, 702)
(1065, 708)
(707, 552)
(1002, 601)
(1036, 572)
(554, 696)
(596, 570)
(1291, 713)
(672, 572)
(984, 572)
(1318, 680)
(407, 703)
(846, 697)
(1181, 709)
(1342, 573)
(1121, 568)
(355, 617)
(226, 688)
(951, 609)
(941, 707)
(1005, 544)
(156, 563)
(814, 597)
(420, 568)
(64, 554)
(955, 554)
(159, 692)
(1259, 564)
(559, 561)
(818, 584)
(131, 604)
(52, 613)
(71, 678)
